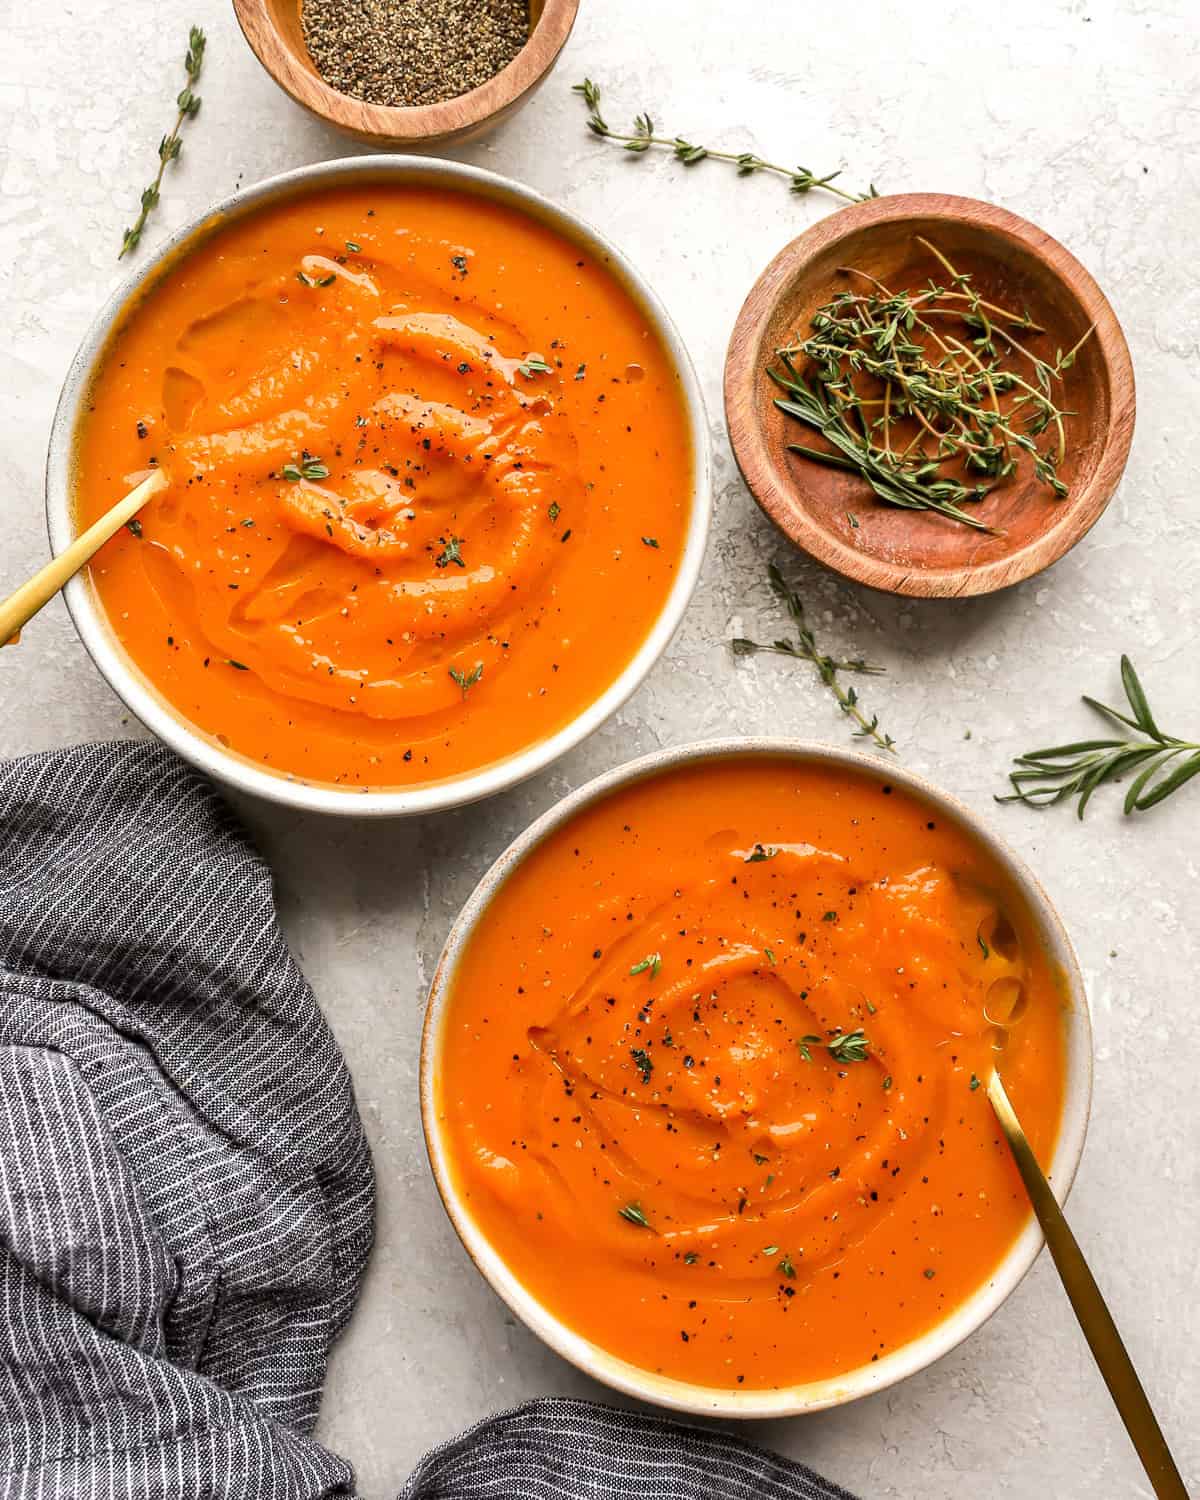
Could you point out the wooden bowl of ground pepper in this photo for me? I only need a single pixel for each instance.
(408, 72)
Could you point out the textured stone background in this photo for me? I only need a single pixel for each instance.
(1083, 115)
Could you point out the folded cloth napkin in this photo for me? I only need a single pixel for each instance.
(186, 1193)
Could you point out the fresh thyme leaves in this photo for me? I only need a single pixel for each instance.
(805, 1043)
(769, 955)
(634, 1213)
(652, 961)
(554, 510)
(849, 1046)
(983, 947)
(799, 179)
(770, 1249)
(642, 1062)
(761, 852)
(306, 467)
(974, 1083)
(690, 1258)
(805, 649)
(451, 552)
(306, 280)
(467, 680)
(650, 541)
(1044, 777)
(187, 103)
(531, 365)
(919, 392)
(788, 1269)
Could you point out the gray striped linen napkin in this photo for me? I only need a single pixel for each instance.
(186, 1193)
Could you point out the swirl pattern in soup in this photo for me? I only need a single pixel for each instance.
(711, 1070)
(430, 483)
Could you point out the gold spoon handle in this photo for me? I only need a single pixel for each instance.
(1088, 1303)
(25, 602)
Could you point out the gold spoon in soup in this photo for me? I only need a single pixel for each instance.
(21, 606)
(1090, 1308)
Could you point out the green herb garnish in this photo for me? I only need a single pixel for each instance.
(652, 961)
(187, 103)
(760, 853)
(451, 552)
(799, 179)
(532, 365)
(805, 648)
(634, 1214)
(1044, 777)
(788, 1269)
(467, 680)
(305, 280)
(849, 1046)
(650, 541)
(642, 1062)
(805, 1043)
(307, 467)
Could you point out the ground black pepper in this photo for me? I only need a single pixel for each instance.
(412, 52)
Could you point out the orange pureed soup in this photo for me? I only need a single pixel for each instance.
(711, 1075)
(431, 479)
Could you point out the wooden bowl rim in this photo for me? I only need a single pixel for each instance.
(780, 500)
(410, 124)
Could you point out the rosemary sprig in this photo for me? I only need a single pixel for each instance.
(1044, 777)
(805, 648)
(915, 410)
(800, 179)
(187, 103)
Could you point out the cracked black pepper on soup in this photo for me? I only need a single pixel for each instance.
(412, 52)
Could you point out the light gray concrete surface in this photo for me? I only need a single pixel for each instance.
(1083, 115)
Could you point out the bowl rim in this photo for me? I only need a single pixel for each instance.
(780, 500)
(144, 701)
(969, 1316)
(410, 125)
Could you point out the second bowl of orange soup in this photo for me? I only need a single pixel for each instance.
(703, 1079)
(438, 495)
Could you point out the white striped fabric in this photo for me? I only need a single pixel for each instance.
(186, 1194)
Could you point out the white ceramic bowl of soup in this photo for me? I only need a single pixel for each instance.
(908, 1358)
(141, 695)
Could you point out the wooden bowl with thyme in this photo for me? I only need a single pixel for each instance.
(929, 395)
(423, 78)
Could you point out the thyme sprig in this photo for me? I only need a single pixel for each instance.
(187, 103)
(921, 392)
(644, 136)
(1045, 777)
(805, 648)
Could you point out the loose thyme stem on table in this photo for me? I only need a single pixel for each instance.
(1044, 777)
(805, 648)
(800, 179)
(170, 146)
(898, 411)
